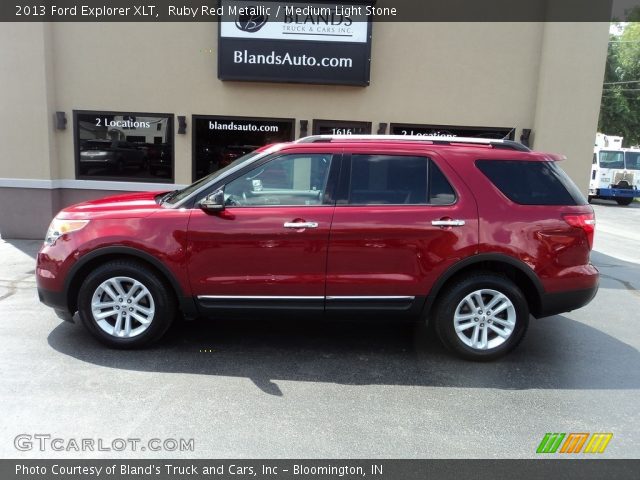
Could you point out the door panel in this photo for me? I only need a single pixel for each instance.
(247, 251)
(268, 247)
(394, 250)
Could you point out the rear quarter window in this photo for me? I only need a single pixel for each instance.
(532, 182)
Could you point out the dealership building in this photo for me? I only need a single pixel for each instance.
(91, 109)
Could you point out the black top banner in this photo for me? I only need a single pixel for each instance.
(378, 11)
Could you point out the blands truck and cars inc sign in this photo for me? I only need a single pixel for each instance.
(294, 42)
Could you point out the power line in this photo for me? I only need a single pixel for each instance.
(620, 83)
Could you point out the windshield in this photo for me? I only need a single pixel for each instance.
(611, 159)
(185, 192)
(632, 160)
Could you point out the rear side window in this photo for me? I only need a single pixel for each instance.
(440, 190)
(532, 183)
(397, 180)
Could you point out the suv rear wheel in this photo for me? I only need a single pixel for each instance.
(482, 317)
(125, 305)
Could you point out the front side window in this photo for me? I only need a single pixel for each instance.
(611, 159)
(288, 180)
(632, 160)
(178, 195)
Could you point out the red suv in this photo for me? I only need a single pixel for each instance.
(472, 235)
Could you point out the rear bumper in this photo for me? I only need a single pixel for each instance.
(560, 302)
(57, 301)
(619, 192)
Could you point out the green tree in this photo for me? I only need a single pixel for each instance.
(620, 107)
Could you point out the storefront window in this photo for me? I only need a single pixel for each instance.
(340, 127)
(124, 146)
(218, 141)
(506, 133)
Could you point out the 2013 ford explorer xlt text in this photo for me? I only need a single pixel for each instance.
(474, 235)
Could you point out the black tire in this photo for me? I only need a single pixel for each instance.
(624, 201)
(162, 296)
(449, 301)
(590, 198)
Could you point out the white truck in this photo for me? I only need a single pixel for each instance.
(615, 171)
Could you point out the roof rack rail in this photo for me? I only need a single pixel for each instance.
(437, 140)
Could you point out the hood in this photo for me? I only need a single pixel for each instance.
(129, 205)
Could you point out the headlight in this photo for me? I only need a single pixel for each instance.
(59, 227)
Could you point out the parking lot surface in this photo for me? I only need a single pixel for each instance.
(298, 389)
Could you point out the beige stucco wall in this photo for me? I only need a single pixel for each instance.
(525, 75)
(570, 86)
(27, 136)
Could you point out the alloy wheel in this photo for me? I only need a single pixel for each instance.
(122, 307)
(484, 319)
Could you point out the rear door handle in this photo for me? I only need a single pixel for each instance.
(447, 223)
(299, 225)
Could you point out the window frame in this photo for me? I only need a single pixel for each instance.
(76, 146)
(344, 183)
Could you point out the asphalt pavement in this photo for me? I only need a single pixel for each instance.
(270, 389)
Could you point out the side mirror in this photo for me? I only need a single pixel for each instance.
(213, 202)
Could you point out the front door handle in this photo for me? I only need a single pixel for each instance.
(447, 223)
(299, 225)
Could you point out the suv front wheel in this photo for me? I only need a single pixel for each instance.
(482, 317)
(125, 305)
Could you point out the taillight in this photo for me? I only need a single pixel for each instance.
(585, 221)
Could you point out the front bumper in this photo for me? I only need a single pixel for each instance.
(57, 301)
